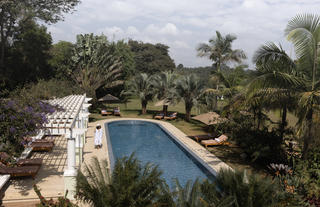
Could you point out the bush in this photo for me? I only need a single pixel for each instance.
(260, 145)
(19, 120)
(309, 172)
(62, 201)
(47, 89)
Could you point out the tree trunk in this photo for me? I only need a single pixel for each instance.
(165, 110)
(259, 119)
(2, 46)
(188, 112)
(308, 135)
(283, 121)
(314, 65)
(144, 107)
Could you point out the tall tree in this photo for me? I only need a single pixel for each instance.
(164, 85)
(60, 60)
(189, 89)
(141, 86)
(220, 51)
(95, 64)
(27, 64)
(150, 58)
(14, 11)
(276, 80)
(304, 32)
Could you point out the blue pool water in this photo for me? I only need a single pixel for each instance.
(151, 144)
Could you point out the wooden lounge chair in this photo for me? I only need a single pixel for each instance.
(105, 112)
(4, 158)
(42, 140)
(171, 116)
(222, 140)
(201, 137)
(40, 147)
(23, 171)
(159, 115)
(116, 111)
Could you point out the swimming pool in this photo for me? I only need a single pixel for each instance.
(151, 143)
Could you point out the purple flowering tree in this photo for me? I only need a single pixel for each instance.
(19, 120)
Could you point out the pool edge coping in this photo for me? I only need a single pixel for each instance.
(211, 162)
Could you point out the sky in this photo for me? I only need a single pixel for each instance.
(184, 24)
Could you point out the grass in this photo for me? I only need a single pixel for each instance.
(232, 155)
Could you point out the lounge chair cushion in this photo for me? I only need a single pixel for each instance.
(219, 140)
(22, 171)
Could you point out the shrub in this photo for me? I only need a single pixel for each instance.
(309, 173)
(62, 201)
(130, 184)
(260, 145)
(19, 120)
(249, 190)
(46, 89)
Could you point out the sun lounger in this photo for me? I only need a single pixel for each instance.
(4, 158)
(159, 115)
(171, 116)
(23, 171)
(116, 111)
(39, 147)
(222, 140)
(201, 137)
(44, 141)
(105, 112)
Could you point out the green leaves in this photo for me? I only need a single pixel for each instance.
(189, 88)
(130, 184)
(96, 64)
(220, 51)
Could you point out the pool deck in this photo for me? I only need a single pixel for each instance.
(50, 177)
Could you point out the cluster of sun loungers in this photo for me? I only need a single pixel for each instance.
(161, 115)
(115, 112)
(16, 167)
(209, 140)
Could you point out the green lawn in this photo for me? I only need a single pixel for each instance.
(132, 109)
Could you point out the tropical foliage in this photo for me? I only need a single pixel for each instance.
(130, 183)
(141, 86)
(189, 89)
(95, 64)
(18, 120)
(220, 51)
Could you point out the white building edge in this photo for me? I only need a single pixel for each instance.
(72, 122)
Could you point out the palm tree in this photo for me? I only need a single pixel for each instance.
(276, 80)
(189, 88)
(304, 32)
(141, 86)
(249, 190)
(164, 85)
(200, 194)
(95, 64)
(220, 51)
(130, 184)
